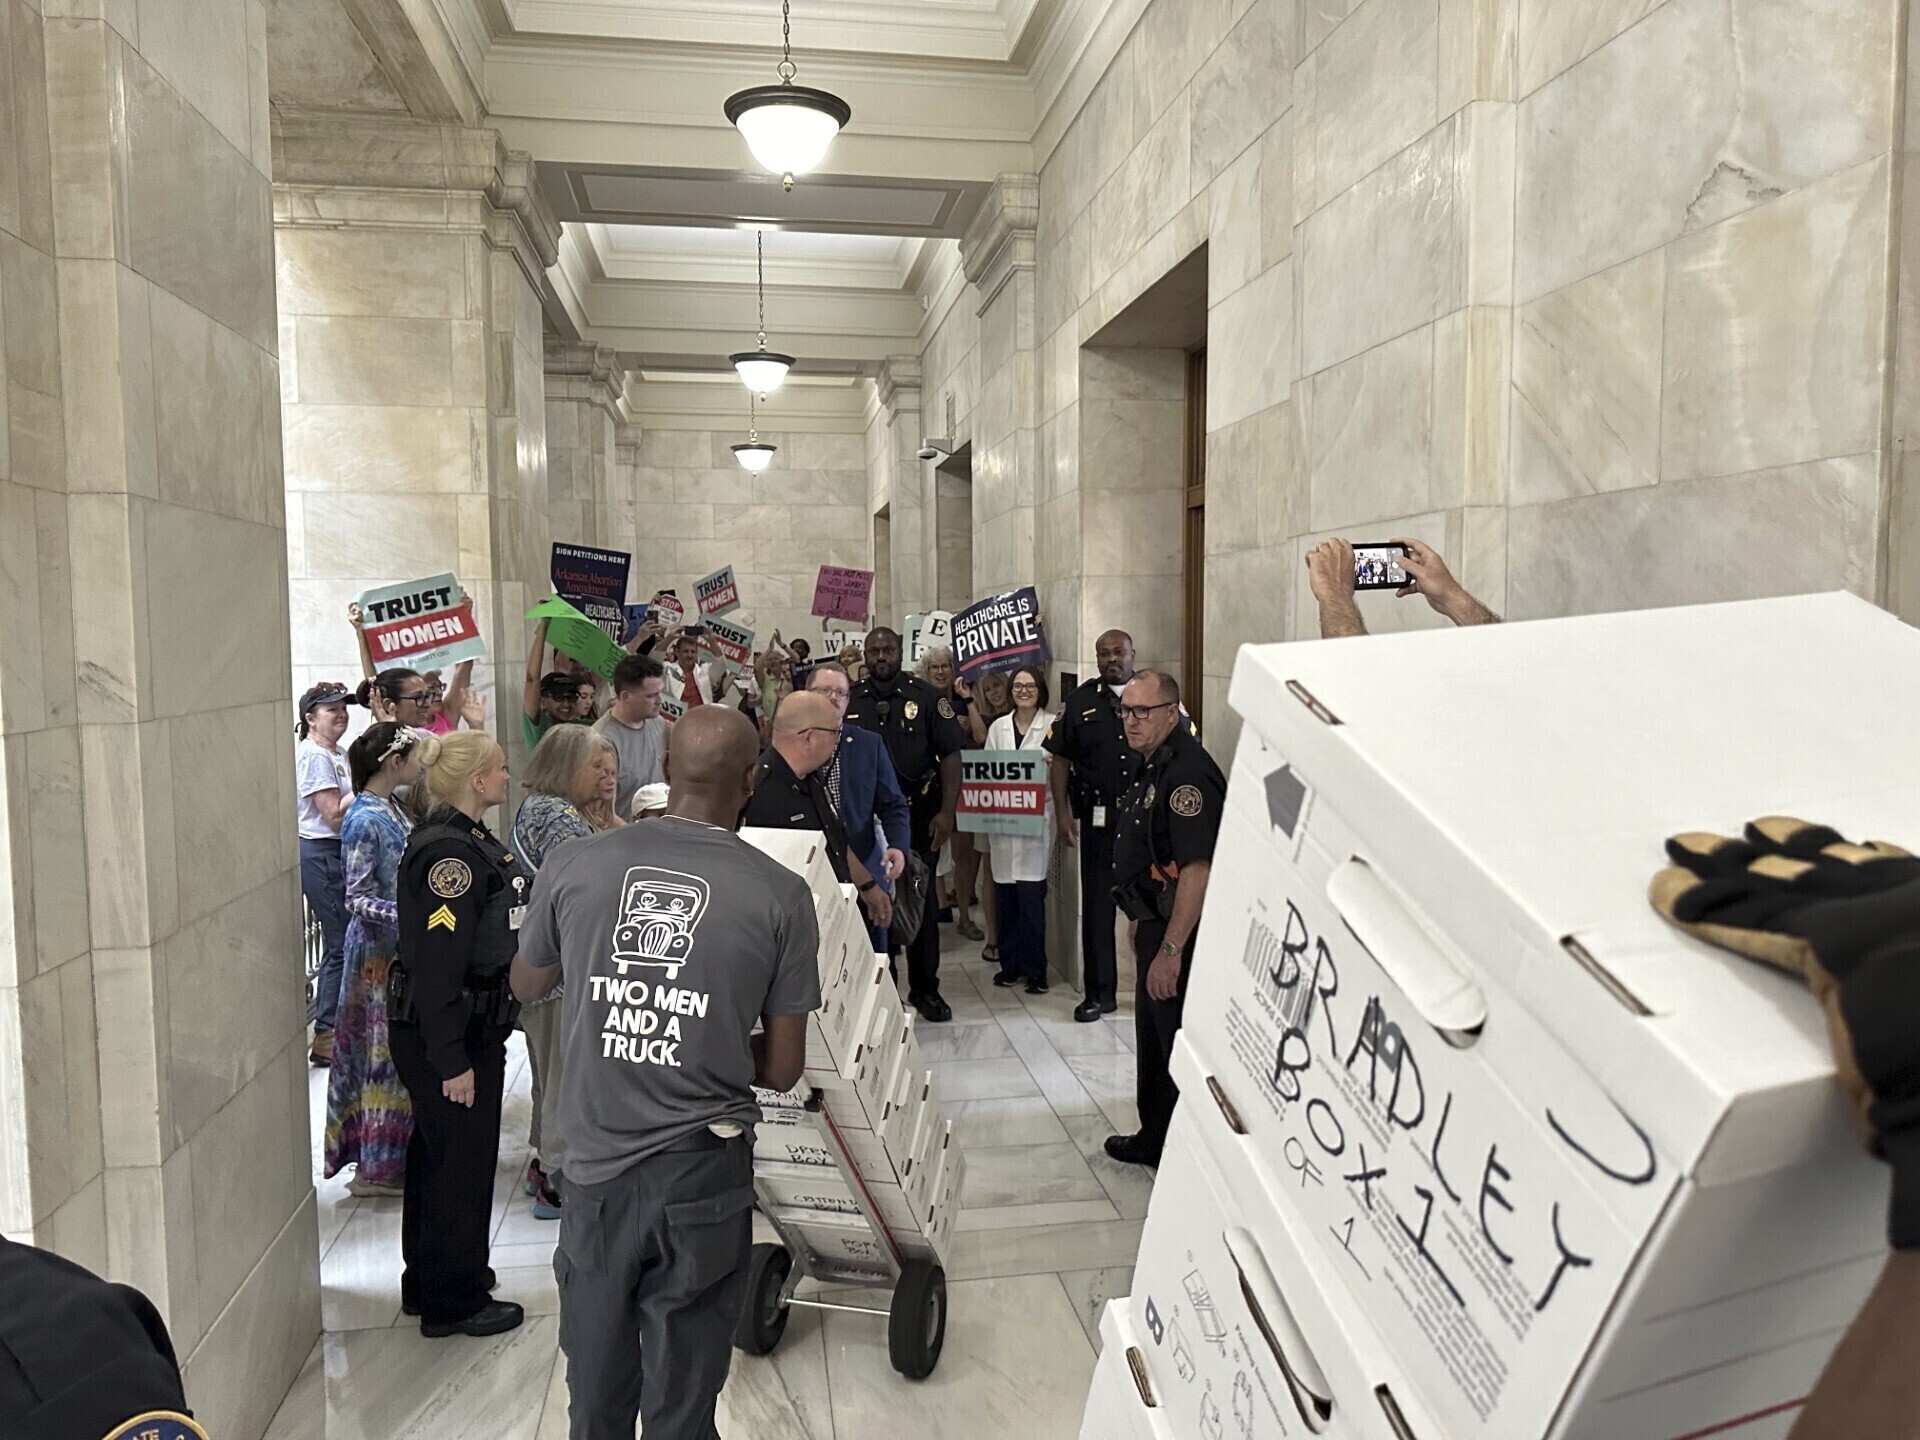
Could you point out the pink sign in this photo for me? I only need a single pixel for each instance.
(842, 594)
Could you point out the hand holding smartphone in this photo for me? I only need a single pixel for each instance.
(1379, 567)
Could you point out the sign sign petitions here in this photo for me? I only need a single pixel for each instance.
(594, 582)
(718, 593)
(842, 594)
(1002, 632)
(422, 624)
(730, 644)
(1003, 792)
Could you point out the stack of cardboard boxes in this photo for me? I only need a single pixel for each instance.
(876, 1094)
(1471, 1143)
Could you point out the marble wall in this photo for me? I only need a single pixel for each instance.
(414, 387)
(696, 509)
(1592, 298)
(153, 1118)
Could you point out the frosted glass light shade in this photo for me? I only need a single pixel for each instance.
(755, 455)
(788, 127)
(762, 371)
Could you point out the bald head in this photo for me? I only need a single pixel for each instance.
(806, 731)
(712, 754)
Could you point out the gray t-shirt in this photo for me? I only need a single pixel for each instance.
(640, 748)
(672, 938)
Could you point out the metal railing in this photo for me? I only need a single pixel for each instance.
(316, 948)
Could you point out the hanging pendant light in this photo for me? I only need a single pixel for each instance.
(788, 127)
(755, 455)
(762, 371)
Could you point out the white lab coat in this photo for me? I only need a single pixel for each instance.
(1022, 857)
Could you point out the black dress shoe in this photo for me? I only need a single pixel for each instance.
(1132, 1150)
(1087, 1011)
(1107, 1007)
(412, 1308)
(933, 1009)
(496, 1317)
(1002, 980)
(1036, 987)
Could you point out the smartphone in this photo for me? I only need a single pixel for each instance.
(1378, 567)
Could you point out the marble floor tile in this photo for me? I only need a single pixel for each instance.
(982, 1040)
(514, 1257)
(1109, 1079)
(1070, 1037)
(396, 1385)
(1088, 1291)
(1027, 1175)
(1018, 1217)
(1009, 1120)
(1043, 1249)
(1129, 1187)
(785, 1394)
(1015, 1364)
(1048, 1067)
(981, 1079)
(360, 1273)
(532, 1287)
(1121, 1024)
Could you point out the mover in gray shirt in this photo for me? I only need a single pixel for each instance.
(635, 728)
(674, 937)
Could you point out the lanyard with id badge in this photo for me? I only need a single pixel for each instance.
(517, 913)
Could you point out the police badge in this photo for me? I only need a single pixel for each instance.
(945, 707)
(911, 710)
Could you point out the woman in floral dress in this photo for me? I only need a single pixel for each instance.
(369, 1116)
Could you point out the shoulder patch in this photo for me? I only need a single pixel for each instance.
(1186, 801)
(158, 1425)
(450, 879)
(945, 707)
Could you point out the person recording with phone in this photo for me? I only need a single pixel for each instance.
(1336, 574)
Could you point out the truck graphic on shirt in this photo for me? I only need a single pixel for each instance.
(659, 911)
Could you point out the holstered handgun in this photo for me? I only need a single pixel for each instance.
(400, 995)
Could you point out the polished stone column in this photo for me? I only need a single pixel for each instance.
(905, 483)
(586, 410)
(413, 384)
(153, 1113)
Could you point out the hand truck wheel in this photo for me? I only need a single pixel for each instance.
(763, 1315)
(917, 1322)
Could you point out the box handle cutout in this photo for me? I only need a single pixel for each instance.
(1141, 1382)
(1609, 982)
(1401, 1429)
(1307, 698)
(1312, 1396)
(1227, 1112)
(1446, 999)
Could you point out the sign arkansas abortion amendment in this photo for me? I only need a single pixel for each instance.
(1003, 792)
(422, 624)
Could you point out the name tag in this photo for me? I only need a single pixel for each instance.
(1099, 817)
(516, 917)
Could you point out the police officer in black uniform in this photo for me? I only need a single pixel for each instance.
(924, 740)
(1091, 767)
(82, 1358)
(461, 896)
(1163, 852)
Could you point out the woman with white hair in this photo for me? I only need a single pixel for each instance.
(570, 781)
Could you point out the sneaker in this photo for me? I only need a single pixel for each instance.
(320, 1053)
(496, 1317)
(1036, 987)
(535, 1177)
(1003, 980)
(546, 1203)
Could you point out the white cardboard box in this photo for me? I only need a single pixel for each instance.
(1558, 1152)
(802, 851)
(1122, 1404)
(899, 1124)
(854, 988)
(781, 1139)
(808, 1187)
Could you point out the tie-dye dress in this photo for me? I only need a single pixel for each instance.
(369, 1117)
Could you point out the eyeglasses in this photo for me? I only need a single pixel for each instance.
(1029, 689)
(419, 698)
(1141, 712)
(818, 730)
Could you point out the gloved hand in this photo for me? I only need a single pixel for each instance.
(1846, 919)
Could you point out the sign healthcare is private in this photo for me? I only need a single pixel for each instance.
(1003, 792)
(421, 624)
(718, 593)
(1002, 632)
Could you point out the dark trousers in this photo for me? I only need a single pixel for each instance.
(1099, 965)
(923, 955)
(450, 1164)
(323, 880)
(1022, 908)
(1155, 1023)
(652, 1265)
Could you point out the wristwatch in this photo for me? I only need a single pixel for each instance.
(1167, 947)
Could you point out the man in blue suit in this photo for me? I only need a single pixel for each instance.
(864, 787)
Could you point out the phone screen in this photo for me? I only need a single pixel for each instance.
(1378, 567)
